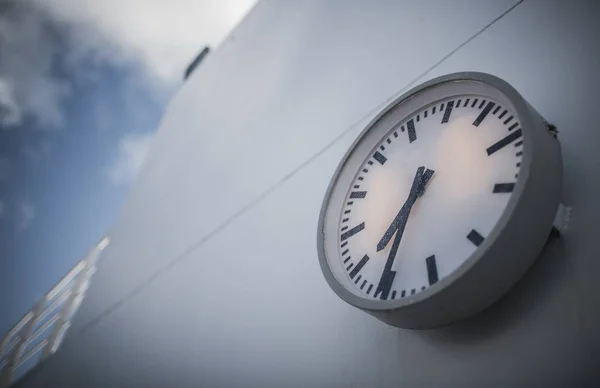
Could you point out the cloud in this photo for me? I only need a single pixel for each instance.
(163, 35)
(10, 114)
(27, 52)
(131, 155)
(25, 215)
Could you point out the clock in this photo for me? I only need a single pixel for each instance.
(442, 203)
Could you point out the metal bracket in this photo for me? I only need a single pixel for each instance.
(561, 220)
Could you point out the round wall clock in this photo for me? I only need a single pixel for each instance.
(442, 203)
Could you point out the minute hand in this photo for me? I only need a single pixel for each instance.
(388, 275)
(399, 223)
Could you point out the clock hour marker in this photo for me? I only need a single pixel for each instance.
(358, 194)
(447, 112)
(432, 272)
(483, 114)
(504, 142)
(504, 187)
(379, 157)
(475, 237)
(352, 231)
(359, 266)
(412, 135)
(513, 126)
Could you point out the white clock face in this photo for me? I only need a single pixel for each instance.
(427, 195)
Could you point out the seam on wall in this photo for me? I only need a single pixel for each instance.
(180, 257)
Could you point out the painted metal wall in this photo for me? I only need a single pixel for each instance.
(212, 278)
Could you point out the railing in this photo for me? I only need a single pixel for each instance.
(39, 333)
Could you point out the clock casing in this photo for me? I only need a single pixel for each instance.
(507, 251)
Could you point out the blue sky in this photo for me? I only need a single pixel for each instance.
(82, 88)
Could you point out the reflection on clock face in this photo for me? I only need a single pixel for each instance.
(428, 195)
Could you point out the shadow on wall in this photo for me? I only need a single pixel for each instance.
(549, 271)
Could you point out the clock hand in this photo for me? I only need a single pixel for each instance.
(387, 276)
(398, 226)
(417, 189)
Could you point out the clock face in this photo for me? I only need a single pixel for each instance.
(422, 200)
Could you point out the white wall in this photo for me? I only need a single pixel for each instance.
(212, 277)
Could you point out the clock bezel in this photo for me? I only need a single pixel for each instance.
(528, 213)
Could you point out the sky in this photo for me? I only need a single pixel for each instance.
(83, 84)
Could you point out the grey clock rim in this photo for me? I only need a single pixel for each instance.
(405, 312)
